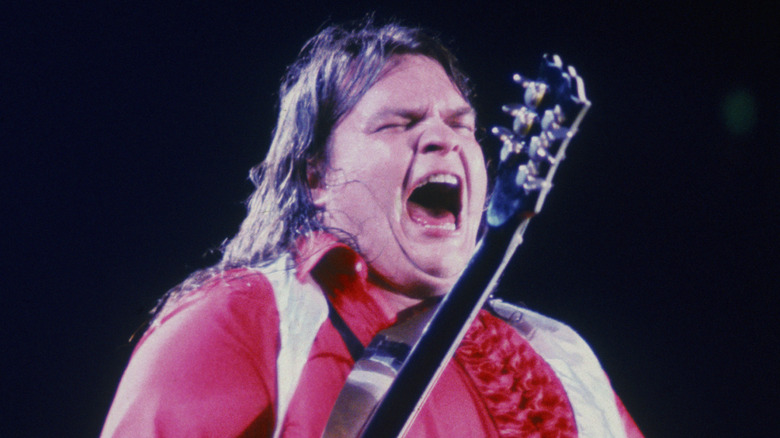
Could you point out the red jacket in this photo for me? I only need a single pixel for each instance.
(221, 361)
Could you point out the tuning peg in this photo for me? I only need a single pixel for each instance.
(520, 80)
(502, 133)
(539, 149)
(534, 91)
(507, 139)
(531, 183)
(572, 71)
(512, 108)
(553, 60)
(527, 179)
(523, 117)
(538, 184)
(523, 175)
(524, 121)
(536, 149)
(552, 118)
(509, 144)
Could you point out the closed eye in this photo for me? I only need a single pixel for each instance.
(467, 127)
(389, 126)
(464, 119)
(402, 124)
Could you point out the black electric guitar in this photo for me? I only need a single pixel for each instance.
(389, 384)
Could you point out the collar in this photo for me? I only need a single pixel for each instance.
(342, 273)
(311, 250)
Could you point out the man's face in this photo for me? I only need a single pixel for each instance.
(406, 176)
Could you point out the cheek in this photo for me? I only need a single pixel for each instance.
(379, 173)
(364, 191)
(479, 178)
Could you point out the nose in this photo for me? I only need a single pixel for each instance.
(438, 137)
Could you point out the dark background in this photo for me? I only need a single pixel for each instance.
(127, 131)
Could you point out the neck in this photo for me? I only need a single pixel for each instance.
(398, 300)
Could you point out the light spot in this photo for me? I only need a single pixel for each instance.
(739, 111)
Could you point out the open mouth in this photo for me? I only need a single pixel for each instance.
(436, 202)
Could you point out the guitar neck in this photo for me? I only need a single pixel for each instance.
(449, 324)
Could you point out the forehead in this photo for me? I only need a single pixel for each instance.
(413, 81)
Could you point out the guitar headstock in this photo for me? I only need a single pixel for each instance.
(554, 104)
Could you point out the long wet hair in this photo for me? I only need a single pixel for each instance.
(332, 72)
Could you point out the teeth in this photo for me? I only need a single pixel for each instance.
(448, 226)
(444, 178)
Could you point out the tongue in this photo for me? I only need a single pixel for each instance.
(430, 216)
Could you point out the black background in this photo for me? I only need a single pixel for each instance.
(127, 131)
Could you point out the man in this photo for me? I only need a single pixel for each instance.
(368, 203)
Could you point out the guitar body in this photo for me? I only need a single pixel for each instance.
(389, 384)
(373, 374)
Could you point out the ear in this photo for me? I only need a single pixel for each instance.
(316, 180)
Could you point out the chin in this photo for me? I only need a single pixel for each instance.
(436, 273)
(446, 267)
(429, 289)
(434, 281)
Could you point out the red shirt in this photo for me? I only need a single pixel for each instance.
(208, 366)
